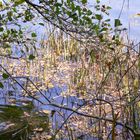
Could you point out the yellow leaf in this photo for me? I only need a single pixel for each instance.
(138, 14)
(46, 111)
(1, 5)
(49, 85)
(18, 2)
(125, 81)
(136, 83)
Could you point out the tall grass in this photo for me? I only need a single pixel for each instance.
(105, 78)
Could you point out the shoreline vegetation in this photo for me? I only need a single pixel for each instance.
(68, 88)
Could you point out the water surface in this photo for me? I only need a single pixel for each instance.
(127, 11)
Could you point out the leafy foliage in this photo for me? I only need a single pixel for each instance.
(1, 85)
(21, 121)
(5, 76)
(100, 76)
(117, 23)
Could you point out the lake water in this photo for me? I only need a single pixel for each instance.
(128, 16)
(129, 20)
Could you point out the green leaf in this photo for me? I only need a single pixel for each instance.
(103, 29)
(15, 10)
(117, 23)
(84, 1)
(108, 8)
(1, 85)
(107, 20)
(31, 57)
(98, 1)
(89, 12)
(28, 15)
(75, 17)
(72, 6)
(98, 16)
(92, 55)
(42, 24)
(5, 76)
(1, 29)
(34, 35)
(79, 10)
(68, 1)
(9, 15)
(57, 11)
(18, 2)
(58, 4)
